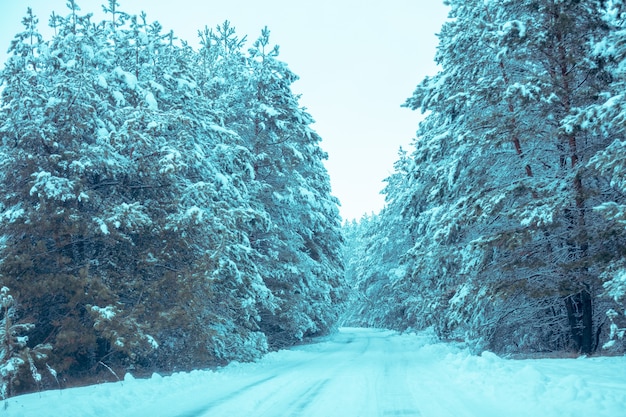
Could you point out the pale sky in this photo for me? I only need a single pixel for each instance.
(358, 61)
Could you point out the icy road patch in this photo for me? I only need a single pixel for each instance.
(359, 373)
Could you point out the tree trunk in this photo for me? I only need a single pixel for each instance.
(580, 317)
(586, 346)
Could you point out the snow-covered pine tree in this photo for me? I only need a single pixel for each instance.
(126, 211)
(55, 138)
(375, 247)
(606, 118)
(458, 187)
(140, 227)
(298, 249)
(554, 45)
(501, 206)
(15, 355)
(302, 249)
(195, 283)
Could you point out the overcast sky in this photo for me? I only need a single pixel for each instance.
(358, 61)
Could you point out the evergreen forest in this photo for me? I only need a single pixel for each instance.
(167, 208)
(161, 208)
(504, 225)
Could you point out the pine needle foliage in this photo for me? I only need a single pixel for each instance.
(163, 208)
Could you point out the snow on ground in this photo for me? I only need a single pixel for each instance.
(360, 373)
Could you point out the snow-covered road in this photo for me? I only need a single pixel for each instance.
(357, 372)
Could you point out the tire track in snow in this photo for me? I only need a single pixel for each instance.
(369, 372)
(393, 392)
(302, 394)
(281, 390)
(308, 396)
(202, 411)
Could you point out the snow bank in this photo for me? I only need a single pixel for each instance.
(493, 386)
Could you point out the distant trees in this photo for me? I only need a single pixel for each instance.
(514, 207)
(374, 248)
(162, 208)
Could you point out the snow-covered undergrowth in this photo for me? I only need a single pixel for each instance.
(362, 369)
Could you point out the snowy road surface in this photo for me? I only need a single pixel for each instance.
(360, 373)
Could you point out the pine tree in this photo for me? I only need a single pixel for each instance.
(501, 205)
(14, 352)
(375, 247)
(605, 119)
(151, 194)
(302, 249)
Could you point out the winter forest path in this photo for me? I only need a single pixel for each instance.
(369, 372)
(357, 373)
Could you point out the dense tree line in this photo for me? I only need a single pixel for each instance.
(504, 226)
(162, 208)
